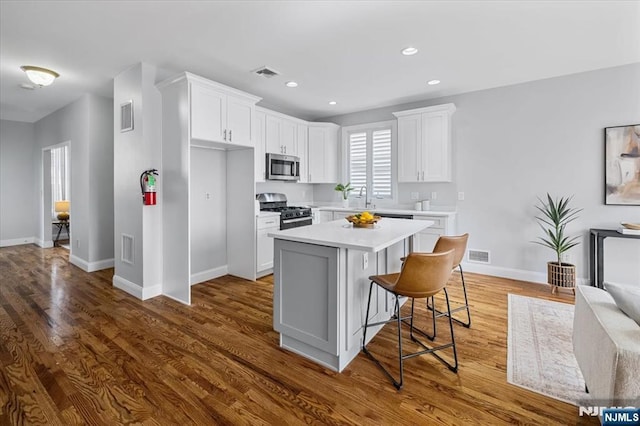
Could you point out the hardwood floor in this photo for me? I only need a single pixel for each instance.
(75, 350)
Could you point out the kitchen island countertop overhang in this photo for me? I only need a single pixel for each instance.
(341, 234)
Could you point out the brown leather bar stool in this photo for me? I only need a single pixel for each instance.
(459, 244)
(422, 276)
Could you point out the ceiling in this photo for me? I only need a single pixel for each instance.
(345, 51)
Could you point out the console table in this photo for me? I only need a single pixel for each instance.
(596, 252)
(61, 224)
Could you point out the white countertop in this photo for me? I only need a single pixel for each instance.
(340, 233)
(438, 213)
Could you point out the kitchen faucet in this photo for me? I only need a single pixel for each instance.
(367, 203)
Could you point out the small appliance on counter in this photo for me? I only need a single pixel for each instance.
(290, 216)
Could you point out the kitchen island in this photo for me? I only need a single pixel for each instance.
(321, 284)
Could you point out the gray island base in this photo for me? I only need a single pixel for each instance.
(321, 284)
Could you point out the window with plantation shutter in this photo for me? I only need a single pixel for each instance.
(369, 160)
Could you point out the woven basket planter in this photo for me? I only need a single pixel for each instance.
(563, 275)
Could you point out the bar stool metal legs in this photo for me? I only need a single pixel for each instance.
(399, 319)
(466, 324)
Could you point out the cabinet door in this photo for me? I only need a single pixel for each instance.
(264, 249)
(436, 154)
(409, 152)
(289, 134)
(240, 115)
(208, 112)
(259, 151)
(273, 135)
(316, 155)
(302, 148)
(331, 155)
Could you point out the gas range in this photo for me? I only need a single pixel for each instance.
(290, 216)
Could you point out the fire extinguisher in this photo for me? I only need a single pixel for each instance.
(148, 187)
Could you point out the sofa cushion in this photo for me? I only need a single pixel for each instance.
(627, 297)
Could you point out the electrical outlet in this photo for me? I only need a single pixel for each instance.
(415, 196)
(566, 258)
(460, 196)
(365, 260)
(434, 195)
(207, 196)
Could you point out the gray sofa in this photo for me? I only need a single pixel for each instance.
(606, 344)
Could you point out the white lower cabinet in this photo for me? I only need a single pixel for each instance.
(426, 240)
(264, 244)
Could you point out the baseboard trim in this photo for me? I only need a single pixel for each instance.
(18, 242)
(209, 274)
(514, 274)
(91, 266)
(44, 244)
(142, 293)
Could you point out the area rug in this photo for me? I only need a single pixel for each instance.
(539, 350)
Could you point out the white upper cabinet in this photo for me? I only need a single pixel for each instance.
(221, 114)
(280, 135)
(323, 153)
(259, 152)
(424, 144)
(302, 151)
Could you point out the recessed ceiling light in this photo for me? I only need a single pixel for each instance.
(40, 76)
(332, 102)
(433, 82)
(408, 51)
(291, 84)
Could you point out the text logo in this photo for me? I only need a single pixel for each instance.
(629, 416)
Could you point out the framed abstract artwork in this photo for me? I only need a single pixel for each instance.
(622, 165)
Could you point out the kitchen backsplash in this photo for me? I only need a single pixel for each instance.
(293, 190)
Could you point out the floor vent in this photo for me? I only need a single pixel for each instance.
(479, 256)
(266, 72)
(127, 249)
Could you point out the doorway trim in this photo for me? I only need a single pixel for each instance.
(45, 239)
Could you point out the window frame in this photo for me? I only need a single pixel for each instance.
(369, 128)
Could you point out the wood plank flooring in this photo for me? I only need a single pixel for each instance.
(75, 350)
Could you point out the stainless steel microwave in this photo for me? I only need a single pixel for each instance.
(282, 167)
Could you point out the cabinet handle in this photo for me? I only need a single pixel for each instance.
(423, 175)
(418, 178)
(285, 149)
(225, 134)
(229, 135)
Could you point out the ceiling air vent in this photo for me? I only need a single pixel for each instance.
(479, 256)
(266, 72)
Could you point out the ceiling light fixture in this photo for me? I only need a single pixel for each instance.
(291, 84)
(332, 102)
(40, 76)
(433, 82)
(408, 51)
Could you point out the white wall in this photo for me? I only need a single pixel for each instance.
(18, 190)
(515, 143)
(101, 178)
(133, 152)
(208, 209)
(83, 123)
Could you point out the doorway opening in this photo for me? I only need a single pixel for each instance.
(55, 212)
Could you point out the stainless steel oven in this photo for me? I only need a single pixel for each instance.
(282, 167)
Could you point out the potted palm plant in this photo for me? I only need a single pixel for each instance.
(554, 216)
(345, 189)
